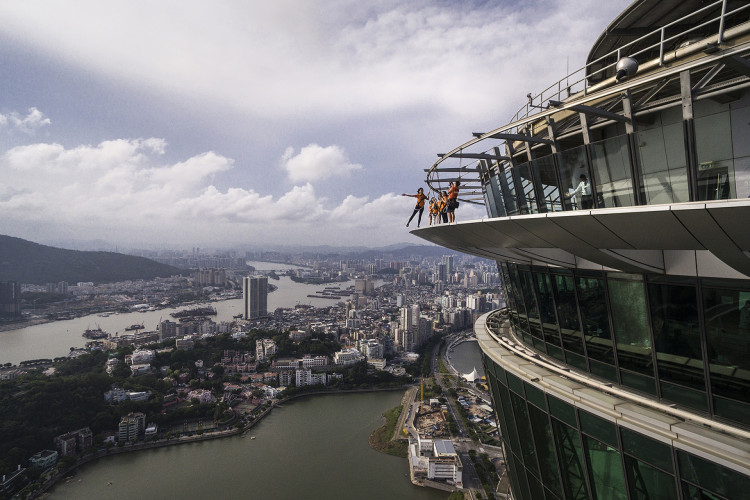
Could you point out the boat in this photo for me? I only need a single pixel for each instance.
(97, 333)
(134, 327)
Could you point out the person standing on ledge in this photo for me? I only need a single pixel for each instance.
(443, 204)
(434, 211)
(453, 201)
(420, 196)
(584, 188)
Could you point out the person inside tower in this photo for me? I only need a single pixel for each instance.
(584, 189)
(421, 197)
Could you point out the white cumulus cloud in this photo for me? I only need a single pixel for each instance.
(28, 123)
(314, 163)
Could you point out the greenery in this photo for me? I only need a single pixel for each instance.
(28, 262)
(381, 438)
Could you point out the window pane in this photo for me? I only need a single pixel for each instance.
(597, 427)
(526, 189)
(648, 483)
(529, 298)
(524, 432)
(727, 319)
(674, 317)
(712, 477)
(605, 469)
(568, 444)
(547, 308)
(545, 449)
(646, 449)
(567, 313)
(611, 165)
(662, 155)
(595, 322)
(562, 410)
(627, 301)
(545, 171)
(508, 187)
(713, 145)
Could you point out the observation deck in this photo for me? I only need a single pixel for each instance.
(666, 149)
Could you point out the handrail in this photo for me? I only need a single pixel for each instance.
(526, 109)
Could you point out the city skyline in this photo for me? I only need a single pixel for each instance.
(144, 124)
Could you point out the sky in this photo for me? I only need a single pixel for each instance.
(225, 124)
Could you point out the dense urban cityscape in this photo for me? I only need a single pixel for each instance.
(193, 377)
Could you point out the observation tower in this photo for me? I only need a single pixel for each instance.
(621, 365)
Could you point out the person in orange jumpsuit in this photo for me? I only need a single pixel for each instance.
(419, 208)
(434, 211)
(453, 201)
(444, 207)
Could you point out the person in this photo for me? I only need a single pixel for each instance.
(444, 207)
(421, 197)
(453, 201)
(434, 211)
(584, 188)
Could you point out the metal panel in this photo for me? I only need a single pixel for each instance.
(649, 228)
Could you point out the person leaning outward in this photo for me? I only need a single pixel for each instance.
(434, 211)
(453, 201)
(444, 207)
(420, 196)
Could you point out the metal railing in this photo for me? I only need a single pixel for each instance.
(582, 77)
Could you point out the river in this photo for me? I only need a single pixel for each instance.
(311, 448)
(50, 340)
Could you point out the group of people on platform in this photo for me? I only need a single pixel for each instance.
(441, 209)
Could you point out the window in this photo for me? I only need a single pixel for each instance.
(611, 165)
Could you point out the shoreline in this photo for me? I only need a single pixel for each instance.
(92, 457)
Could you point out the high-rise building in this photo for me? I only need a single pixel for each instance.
(10, 299)
(617, 208)
(255, 295)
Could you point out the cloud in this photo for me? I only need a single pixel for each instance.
(122, 189)
(28, 124)
(315, 163)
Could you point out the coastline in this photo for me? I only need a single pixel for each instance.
(92, 457)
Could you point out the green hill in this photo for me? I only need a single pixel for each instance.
(28, 262)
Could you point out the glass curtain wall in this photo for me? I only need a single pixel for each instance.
(573, 163)
(611, 166)
(661, 150)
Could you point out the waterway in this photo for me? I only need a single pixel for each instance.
(467, 356)
(312, 448)
(51, 340)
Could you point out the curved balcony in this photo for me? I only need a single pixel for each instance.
(568, 436)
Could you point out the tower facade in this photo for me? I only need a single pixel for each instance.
(255, 296)
(617, 202)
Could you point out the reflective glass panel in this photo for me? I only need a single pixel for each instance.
(661, 152)
(712, 477)
(727, 320)
(591, 298)
(547, 308)
(648, 483)
(529, 298)
(500, 201)
(491, 197)
(605, 470)
(545, 449)
(713, 145)
(524, 432)
(545, 172)
(674, 319)
(568, 445)
(526, 189)
(627, 300)
(611, 166)
(508, 187)
(567, 313)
